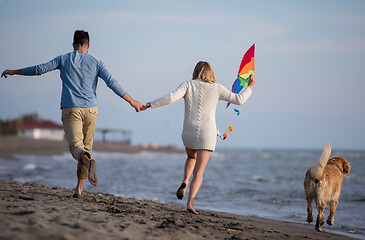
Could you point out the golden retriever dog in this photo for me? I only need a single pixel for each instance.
(322, 184)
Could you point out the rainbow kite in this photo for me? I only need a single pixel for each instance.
(247, 69)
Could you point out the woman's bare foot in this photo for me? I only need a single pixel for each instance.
(76, 195)
(181, 191)
(191, 209)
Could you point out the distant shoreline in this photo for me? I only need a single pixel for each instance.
(12, 145)
(34, 211)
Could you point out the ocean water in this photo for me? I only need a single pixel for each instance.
(263, 183)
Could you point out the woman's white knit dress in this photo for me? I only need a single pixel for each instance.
(201, 98)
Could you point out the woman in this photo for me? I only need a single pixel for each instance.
(199, 133)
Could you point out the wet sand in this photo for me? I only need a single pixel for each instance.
(33, 211)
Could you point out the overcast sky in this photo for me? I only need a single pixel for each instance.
(309, 60)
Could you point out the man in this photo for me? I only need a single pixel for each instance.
(79, 73)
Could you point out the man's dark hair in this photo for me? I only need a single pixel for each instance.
(81, 37)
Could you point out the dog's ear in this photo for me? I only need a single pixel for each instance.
(346, 167)
(331, 160)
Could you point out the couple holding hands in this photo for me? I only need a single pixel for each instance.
(79, 72)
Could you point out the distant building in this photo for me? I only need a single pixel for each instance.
(42, 130)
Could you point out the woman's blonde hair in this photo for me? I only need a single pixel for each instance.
(204, 72)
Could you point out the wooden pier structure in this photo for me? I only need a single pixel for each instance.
(105, 135)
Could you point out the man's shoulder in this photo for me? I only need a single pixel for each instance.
(67, 55)
(78, 56)
(91, 58)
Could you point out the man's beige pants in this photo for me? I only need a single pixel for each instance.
(79, 125)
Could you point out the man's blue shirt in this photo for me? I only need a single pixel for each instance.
(79, 73)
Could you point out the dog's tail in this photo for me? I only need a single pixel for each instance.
(317, 169)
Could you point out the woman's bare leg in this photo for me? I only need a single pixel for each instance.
(188, 170)
(189, 164)
(201, 162)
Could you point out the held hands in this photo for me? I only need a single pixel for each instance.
(142, 106)
(138, 106)
(147, 105)
(135, 104)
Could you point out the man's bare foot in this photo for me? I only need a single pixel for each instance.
(91, 166)
(93, 178)
(78, 188)
(77, 192)
(191, 209)
(85, 160)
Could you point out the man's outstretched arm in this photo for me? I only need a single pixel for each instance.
(11, 72)
(35, 70)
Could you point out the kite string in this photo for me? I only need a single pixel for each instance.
(223, 136)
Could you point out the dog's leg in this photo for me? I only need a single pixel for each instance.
(331, 216)
(309, 210)
(320, 217)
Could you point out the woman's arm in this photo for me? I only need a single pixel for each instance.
(172, 97)
(235, 98)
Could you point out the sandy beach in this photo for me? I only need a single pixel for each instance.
(34, 211)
